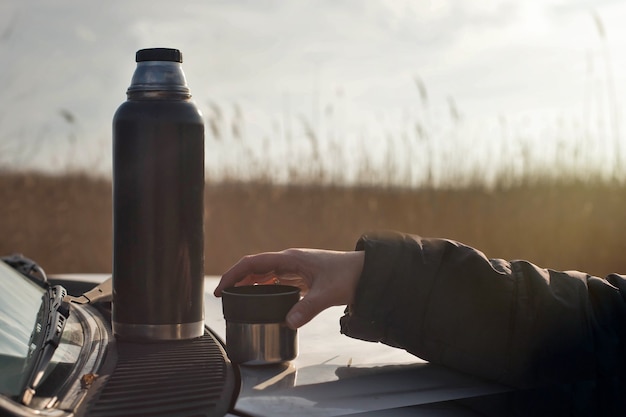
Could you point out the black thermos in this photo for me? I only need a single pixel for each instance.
(158, 196)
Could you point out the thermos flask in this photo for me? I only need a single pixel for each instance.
(158, 198)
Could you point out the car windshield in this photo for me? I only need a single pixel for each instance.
(20, 308)
(20, 301)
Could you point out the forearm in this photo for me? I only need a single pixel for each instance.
(447, 303)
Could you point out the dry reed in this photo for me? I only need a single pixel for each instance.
(64, 222)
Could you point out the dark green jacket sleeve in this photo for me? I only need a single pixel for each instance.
(510, 322)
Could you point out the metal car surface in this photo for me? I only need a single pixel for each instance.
(335, 375)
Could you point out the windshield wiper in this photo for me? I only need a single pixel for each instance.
(27, 267)
(45, 338)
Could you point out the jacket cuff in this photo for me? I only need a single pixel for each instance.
(376, 293)
(359, 328)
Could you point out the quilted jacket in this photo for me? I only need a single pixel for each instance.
(557, 337)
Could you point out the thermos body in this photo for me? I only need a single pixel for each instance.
(158, 206)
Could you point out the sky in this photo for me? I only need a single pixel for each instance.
(395, 85)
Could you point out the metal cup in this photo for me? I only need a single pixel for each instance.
(256, 332)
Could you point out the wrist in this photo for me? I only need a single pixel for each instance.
(354, 271)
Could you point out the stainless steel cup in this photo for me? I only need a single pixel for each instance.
(256, 332)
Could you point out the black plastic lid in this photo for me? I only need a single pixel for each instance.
(159, 54)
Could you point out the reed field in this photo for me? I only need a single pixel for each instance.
(558, 202)
(64, 222)
(553, 194)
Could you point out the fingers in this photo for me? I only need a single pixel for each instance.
(304, 311)
(254, 269)
(269, 278)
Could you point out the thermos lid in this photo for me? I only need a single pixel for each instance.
(159, 54)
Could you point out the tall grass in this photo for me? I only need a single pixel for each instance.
(504, 152)
(551, 192)
(424, 145)
(427, 145)
(64, 222)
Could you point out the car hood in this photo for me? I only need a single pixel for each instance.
(336, 375)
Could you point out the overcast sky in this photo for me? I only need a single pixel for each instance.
(353, 66)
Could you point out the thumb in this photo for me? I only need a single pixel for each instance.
(303, 311)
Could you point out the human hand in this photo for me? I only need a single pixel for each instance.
(325, 278)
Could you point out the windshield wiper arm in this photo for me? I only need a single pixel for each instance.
(55, 313)
(100, 293)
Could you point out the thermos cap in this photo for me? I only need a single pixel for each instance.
(158, 75)
(159, 54)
